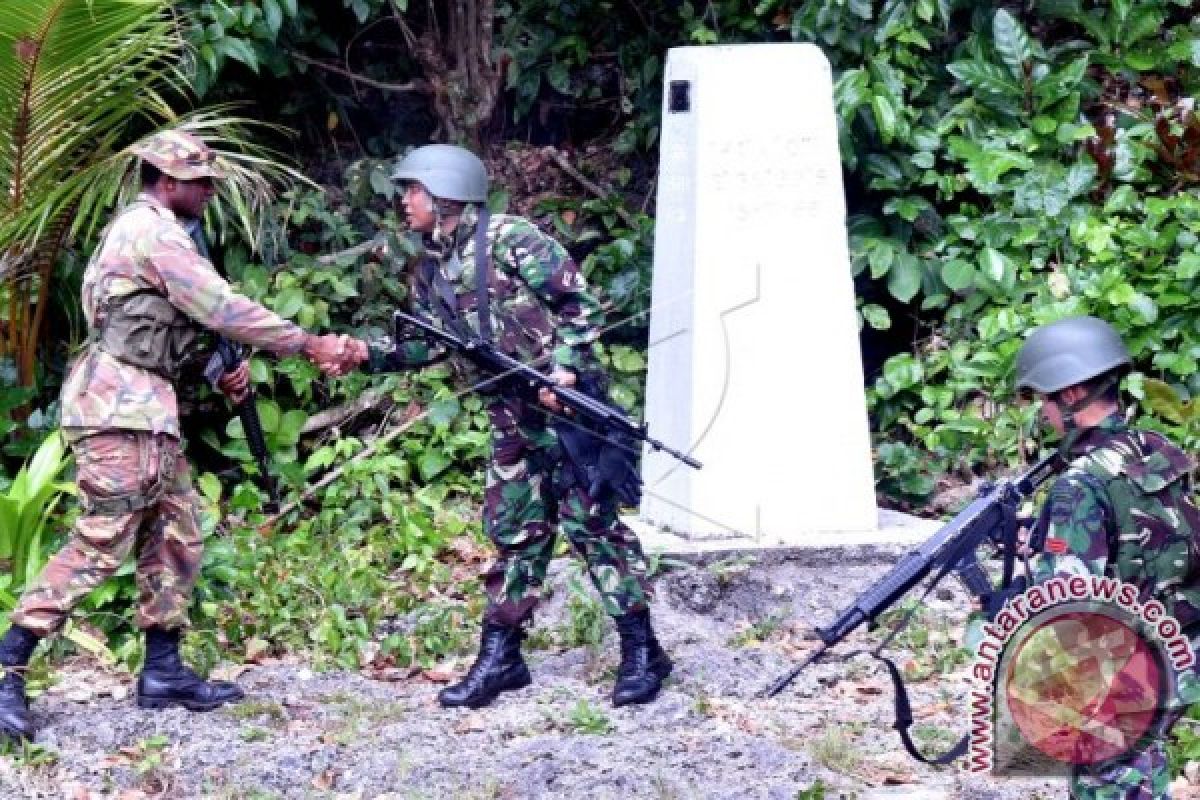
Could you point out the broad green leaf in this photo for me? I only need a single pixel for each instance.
(1145, 308)
(273, 16)
(239, 50)
(1165, 401)
(876, 316)
(993, 264)
(1080, 177)
(558, 78)
(269, 415)
(880, 255)
(381, 183)
(986, 78)
(1144, 23)
(289, 302)
(290, 425)
(904, 278)
(958, 275)
(885, 116)
(431, 464)
(903, 371)
(210, 487)
(851, 90)
(1012, 43)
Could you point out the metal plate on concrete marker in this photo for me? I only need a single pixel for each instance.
(754, 361)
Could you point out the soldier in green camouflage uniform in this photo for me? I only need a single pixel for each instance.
(146, 294)
(1122, 509)
(539, 311)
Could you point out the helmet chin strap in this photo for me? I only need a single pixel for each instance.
(1069, 410)
(441, 209)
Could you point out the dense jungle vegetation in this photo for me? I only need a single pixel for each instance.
(1005, 164)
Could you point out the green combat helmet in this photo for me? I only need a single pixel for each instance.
(1069, 352)
(181, 155)
(447, 172)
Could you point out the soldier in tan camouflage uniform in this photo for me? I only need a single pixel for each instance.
(146, 294)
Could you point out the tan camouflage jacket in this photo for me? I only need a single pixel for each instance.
(145, 247)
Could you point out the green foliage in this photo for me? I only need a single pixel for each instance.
(242, 32)
(24, 511)
(1184, 743)
(260, 35)
(757, 632)
(588, 719)
(373, 550)
(999, 195)
(586, 622)
(814, 792)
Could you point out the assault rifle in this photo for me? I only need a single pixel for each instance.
(990, 519)
(227, 357)
(602, 420)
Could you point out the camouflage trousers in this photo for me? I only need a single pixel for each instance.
(137, 497)
(1140, 776)
(530, 493)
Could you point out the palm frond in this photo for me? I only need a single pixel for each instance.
(79, 80)
(76, 77)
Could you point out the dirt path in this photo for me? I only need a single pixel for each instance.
(730, 626)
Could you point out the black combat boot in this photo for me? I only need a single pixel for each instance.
(498, 668)
(644, 664)
(166, 682)
(15, 651)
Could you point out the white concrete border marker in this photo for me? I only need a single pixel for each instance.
(754, 360)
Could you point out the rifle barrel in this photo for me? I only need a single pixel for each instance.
(584, 404)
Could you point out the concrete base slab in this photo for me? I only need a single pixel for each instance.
(896, 532)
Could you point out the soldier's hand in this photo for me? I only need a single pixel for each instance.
(357, 352)
(1023, 548)
(563, 377)
(236, 384)
(329, 353)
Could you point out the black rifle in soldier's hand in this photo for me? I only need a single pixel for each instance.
(991, 519)
(598, 438)
(228, 356)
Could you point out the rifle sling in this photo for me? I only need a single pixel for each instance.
(442, 297)
(483, 266)
(902, 706)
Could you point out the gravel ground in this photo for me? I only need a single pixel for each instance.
(306, 734)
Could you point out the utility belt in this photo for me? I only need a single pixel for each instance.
(145, 330)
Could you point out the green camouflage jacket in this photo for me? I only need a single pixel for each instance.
(1123, 508)
(145, 247)
(541, 309)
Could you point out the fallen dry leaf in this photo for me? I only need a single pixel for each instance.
(73, 790)
(470, 723)
(325, 780)
(437, 675)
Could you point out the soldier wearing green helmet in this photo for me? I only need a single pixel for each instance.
(147, 292)
(498, 277)
(1122, 509)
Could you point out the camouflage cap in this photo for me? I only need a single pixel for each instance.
(181, 155)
